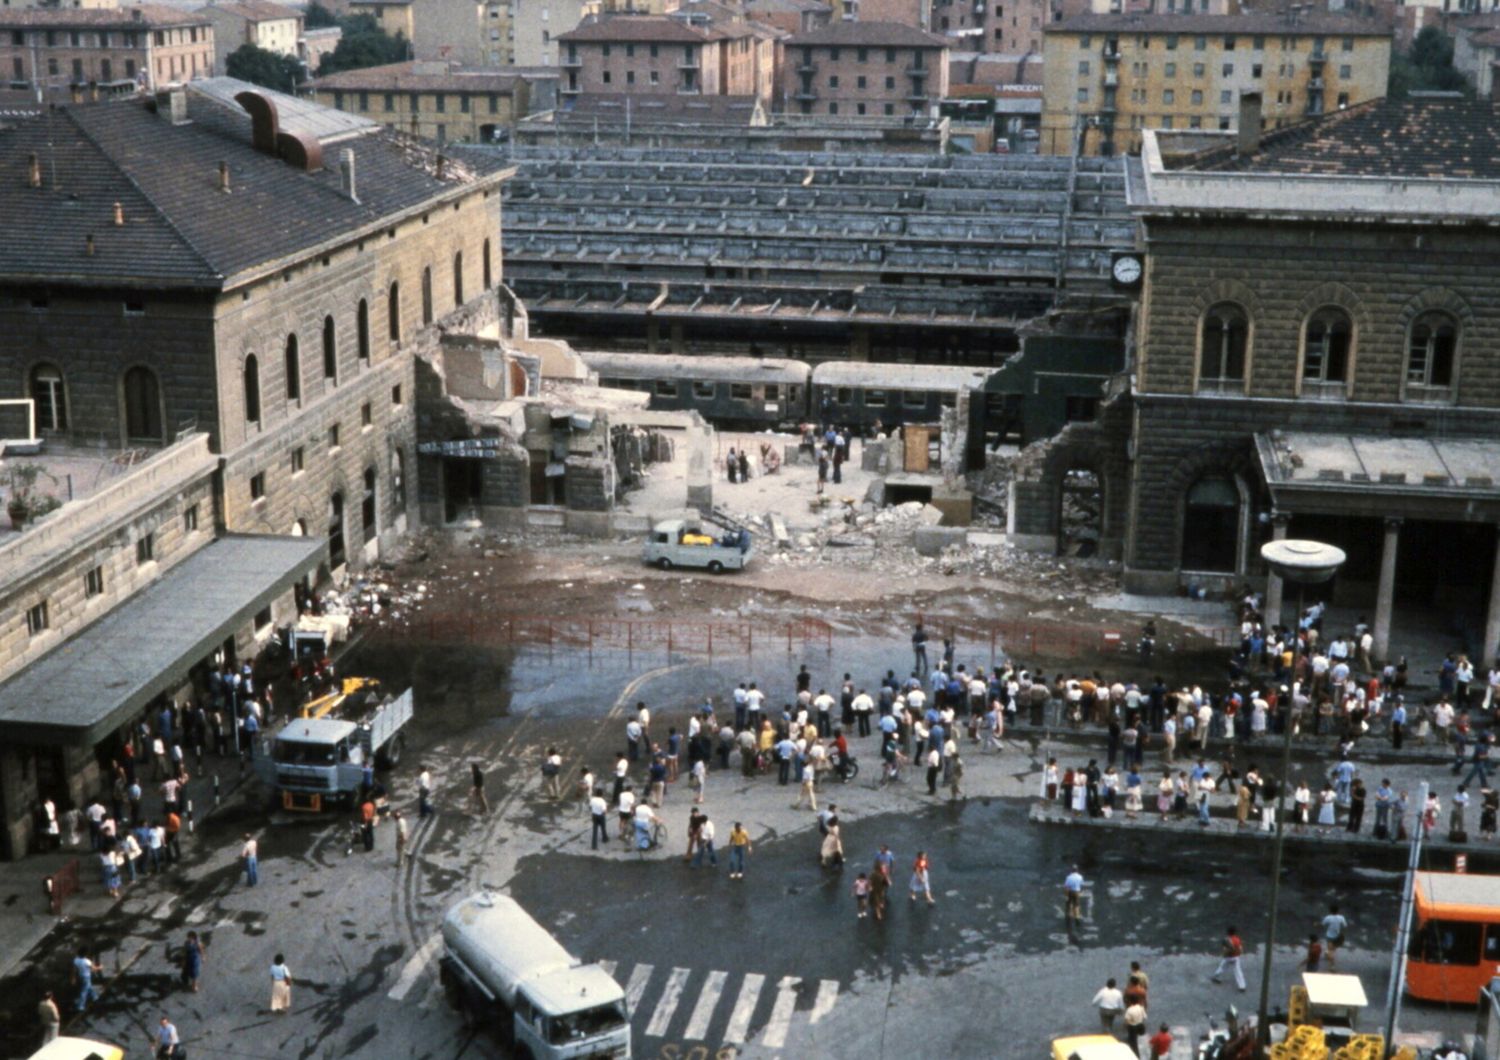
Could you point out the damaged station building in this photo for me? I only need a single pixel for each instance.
(214, 302)
(1314, 357)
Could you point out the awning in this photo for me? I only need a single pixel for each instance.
(1424, 477)
(84, 689)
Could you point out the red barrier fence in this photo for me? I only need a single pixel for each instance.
(61, 884)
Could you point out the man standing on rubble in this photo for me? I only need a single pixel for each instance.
(919, 649)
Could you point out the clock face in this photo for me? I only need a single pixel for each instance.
(1127, 269)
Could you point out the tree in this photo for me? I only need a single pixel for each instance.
(317, 16)
(261, 67)
(1428, 66)
(363, 44)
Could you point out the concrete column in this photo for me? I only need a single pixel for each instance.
(1386, 590)
(653, 335)
(678, 345)
(1492, 618)
(1279, 521)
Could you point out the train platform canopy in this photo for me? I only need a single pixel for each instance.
(1426, 478)
(98, 680)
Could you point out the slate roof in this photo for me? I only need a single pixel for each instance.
(869, 34)
(180, 230)
(154, 16)
(1447, 138)
(413, 77)
(1307, 24)
(639, 28)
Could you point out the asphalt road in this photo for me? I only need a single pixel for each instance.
(773, 965)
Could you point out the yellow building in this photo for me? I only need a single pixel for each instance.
(436, 100)
(393, 16)
(1107, 77)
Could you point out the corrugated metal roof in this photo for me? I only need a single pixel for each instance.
(687, 367)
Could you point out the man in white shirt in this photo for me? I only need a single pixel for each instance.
(754, 699)
(824, 704)
(626, 809)
(706, 844)
(1110, 1002)
(863, 706)
(598, 808)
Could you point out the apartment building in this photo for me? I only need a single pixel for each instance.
(1108, 77)
(440, 101)
(265, 25)
(149, 44)
(658, 54)
(395, 17)
(863, 68)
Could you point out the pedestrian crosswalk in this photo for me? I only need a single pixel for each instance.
(722, 1007)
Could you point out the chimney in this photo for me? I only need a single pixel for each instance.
(119, 215)
(34, 172)
(172, 103)
(1249, 129)
(346, 173)
(88, 245)
(224, 176)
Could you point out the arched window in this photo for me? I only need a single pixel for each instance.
(293, 369)
(398, 481)
(330, 350)
(143, 418)
(252, 389)
(1431, 348)
(362, 328)
(488, 278)
(1211, 525)
(393, 313)
(367, 506)
(1226, 332)
(1325, 352)
(336, 553)
(458, 279)
(51, 401)
(427, 295)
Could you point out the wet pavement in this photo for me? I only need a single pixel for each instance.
(776, 964)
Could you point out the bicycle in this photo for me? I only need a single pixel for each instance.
(657, 836)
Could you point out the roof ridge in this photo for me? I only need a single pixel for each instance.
(130, 179)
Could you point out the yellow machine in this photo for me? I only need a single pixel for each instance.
(329, 702)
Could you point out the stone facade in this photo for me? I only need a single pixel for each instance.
(870, 69)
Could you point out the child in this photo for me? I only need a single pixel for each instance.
(1314, 956)
(862, 894)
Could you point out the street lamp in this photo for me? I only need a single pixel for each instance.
(1305, 563)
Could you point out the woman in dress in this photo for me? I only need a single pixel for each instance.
(1164, 792)
(1108, 785)
(109, 868)
(192, 962)
(921, 883)
(281, 985)
(1049, 780)
(1079, 793)
(1326, 799)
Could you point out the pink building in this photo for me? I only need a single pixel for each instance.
(658, 54)
(863, 68)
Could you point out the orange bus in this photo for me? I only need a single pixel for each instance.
(1455, 941)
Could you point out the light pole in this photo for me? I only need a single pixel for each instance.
(1303, 563)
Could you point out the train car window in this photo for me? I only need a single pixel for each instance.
(845, 395)
(914, 399)
(874, 398)
(739, 391)
(949, 400)
(791, 395)
(703, 390)
(666, 388)
(773, 392)
(1447, 942)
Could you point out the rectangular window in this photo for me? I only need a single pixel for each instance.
(1229, 44)
(1348, 44)
(396, 395)
(145, 549)
(740, 391)
(1083, 67)
(1197, 97)
(606, 77)
(630, 77)
(190, 518)
(1229, 69)
(874, 398)
(333, 436)
(1200, 44)
(1346, 72)
(833, 82)
(863, 54)
(298, 460)
(1198, 70)
(1343, 100)
(1226, 96)
(1171, 42)
(1166, 121)
(93, 583)
(1083, 95)
(1255, 70)
(258, 486)
(441, 102)
(364, 101)
(914, 399)
(263, 618)
(703, 391)
(1258, 43)
(36, 618)
(890, 82)
(1170, 70)
(1086, 41)
(463, 102)
(666, 388)
(860, 81)
(366, 415)
(1168, 96)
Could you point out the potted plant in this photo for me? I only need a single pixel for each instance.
(25, 502)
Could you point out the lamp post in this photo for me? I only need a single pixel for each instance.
(1303, 563)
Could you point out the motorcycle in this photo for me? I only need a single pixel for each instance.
(846, 768)
(1228, 1042)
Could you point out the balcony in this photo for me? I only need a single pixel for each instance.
(1111, 79)
(1111, 53)
(917, 71)
(806, 95)
(1325, 390)
(569, 90)
(687, 64)
(1315, 84)
(917, 98)
(571, 62)
(807, 69)
(689, 90)
(1317, 59)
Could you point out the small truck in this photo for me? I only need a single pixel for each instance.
(689, 543)
(507, 973)
(319, 758)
